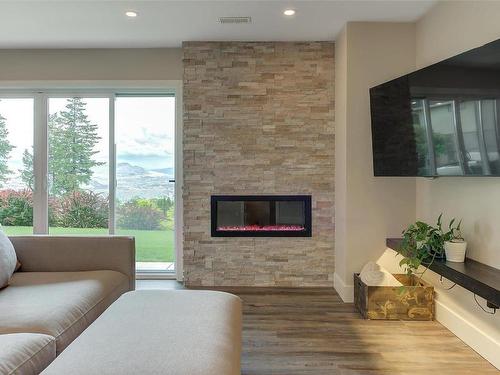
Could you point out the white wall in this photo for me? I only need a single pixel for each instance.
(368, 209)
(91, 64)
(446, 30)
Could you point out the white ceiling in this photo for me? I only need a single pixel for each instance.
(166, 23)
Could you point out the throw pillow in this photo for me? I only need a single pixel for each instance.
(8, 260)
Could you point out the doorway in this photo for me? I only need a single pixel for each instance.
(145, 178)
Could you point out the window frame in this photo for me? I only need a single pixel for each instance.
(42, 91)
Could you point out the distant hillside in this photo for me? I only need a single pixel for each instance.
(134, 181)
(167, 171)
(129, 169)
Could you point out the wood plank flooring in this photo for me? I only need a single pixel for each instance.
(311, 331)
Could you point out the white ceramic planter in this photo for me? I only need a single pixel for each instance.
(455, 251)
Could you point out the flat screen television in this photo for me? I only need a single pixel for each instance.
(443, 120)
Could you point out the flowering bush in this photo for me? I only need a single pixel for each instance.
(86, 209)
(81, 209)
(78, 209)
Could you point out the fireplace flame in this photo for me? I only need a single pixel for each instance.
(259, 228)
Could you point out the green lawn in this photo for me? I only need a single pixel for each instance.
(151, 245)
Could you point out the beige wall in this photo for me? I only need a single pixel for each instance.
(452, 27)
(368, 209)
(91, 64)
(448, 29)
(340, 159)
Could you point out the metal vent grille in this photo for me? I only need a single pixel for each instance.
(224, 20)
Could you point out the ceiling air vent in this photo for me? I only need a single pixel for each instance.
(224, 20)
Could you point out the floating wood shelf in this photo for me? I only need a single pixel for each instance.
(472, 275)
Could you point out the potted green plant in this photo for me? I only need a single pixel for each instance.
(454, 245)
(422, 244)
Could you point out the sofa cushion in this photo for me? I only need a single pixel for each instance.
(8, 259)
(148, 332)
(26, 353)
(60, 304)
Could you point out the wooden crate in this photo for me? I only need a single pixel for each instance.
(414, 301)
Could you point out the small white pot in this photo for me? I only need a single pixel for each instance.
(455, 251)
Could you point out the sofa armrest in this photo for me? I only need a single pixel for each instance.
(41, 253)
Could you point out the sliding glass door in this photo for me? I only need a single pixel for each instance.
(78, 165)
(91, 164)
(145, 194)
(16, 165)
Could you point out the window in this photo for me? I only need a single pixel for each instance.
(89, 163)
(78, 165)
(456, 136)
(16, 165)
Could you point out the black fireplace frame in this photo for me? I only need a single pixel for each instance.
(307, 199)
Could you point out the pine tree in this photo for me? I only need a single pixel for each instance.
(72, 139)
(5, 149)
(27, 173)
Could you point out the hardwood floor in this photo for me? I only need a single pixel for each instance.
(311, 331)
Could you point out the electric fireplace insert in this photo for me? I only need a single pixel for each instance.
(261, 215)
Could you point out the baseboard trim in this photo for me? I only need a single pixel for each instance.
(155, 276)
(346, 292)
(474, 337)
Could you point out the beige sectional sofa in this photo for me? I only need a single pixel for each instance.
(26, 353)
(153, 332)
(63, 285)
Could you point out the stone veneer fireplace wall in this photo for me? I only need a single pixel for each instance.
(258, 119)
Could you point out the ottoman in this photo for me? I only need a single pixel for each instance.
(174, 332)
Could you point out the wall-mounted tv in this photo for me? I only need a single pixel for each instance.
(443, 120)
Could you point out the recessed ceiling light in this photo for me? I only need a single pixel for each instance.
(289, 12)
(131, 13)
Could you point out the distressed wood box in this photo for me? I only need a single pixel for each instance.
(414, 301)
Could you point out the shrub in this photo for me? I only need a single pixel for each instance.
(169, 221)
(139, 214)
(85, 209)
(16, 207)
(164, 204)
(81, 209)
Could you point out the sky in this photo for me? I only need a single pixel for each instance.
(144, 129)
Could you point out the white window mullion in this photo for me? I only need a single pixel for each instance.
(178, 159)
(112, 165)
(40, 166)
